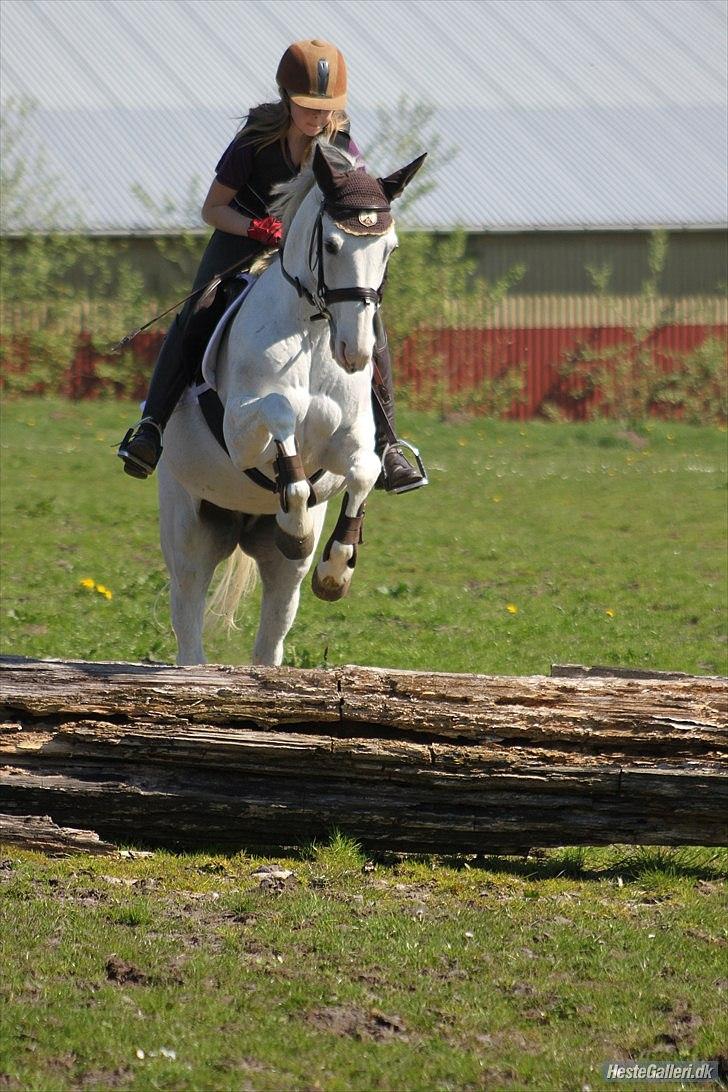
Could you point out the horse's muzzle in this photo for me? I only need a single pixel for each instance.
(351, 360)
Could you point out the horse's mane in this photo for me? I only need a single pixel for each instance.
(288, 196)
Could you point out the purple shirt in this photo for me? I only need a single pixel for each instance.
(252, 172)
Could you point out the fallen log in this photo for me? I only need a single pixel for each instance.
(409, 761)
(40, 833)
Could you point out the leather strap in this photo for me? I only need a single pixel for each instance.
(324, 296)
(289, 469)
(213, 412)
(348, 531)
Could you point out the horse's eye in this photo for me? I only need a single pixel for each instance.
(331, 247)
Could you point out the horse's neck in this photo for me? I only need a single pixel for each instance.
(286, 325)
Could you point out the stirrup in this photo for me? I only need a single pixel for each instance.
(133, 465)
(424, 480)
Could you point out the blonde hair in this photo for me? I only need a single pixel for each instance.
(270, 121)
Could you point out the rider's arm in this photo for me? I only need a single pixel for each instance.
(217, 212)
(231, 173)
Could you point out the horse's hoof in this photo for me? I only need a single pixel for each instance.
(295, 549)
(327, 588)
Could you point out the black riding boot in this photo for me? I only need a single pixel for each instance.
(178, 360)
(398, 475)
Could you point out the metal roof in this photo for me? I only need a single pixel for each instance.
(564, 113)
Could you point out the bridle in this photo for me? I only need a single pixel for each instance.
(325, 296)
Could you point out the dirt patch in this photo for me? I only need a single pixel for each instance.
(684, 1023)
(508, 1040)
(373, 976)
(104, 1078)
(521, 989)
(681, 1028)
(449, 970)
(708, 938)
(358, 1023)
(123, 973)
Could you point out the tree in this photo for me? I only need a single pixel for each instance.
(404, 132)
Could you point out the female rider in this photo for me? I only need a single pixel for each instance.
(270, 148)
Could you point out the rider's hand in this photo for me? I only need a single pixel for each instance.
(268, 231)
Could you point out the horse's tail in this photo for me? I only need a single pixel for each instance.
(237, 578)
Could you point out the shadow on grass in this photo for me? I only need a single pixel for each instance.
(584, 863)
(609, 862)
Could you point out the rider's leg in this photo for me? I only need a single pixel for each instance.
(177, 363)
(397, 475)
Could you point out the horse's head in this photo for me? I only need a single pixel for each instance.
(348, 247)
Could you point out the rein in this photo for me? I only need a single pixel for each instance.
(325, 296)
(214, 281)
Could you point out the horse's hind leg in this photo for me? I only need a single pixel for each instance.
(281, 579)
(193, 545)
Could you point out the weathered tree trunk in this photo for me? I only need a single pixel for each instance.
(410, 761)
(40, 833)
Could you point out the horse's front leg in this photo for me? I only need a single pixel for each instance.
(332, 576)
(294, 526)
(248, 433)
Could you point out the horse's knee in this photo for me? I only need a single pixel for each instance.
(362, 476)
(278, 414)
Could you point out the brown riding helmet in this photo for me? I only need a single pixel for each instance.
(313, 73)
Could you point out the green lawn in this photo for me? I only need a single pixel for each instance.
(185, 973)
(534, 544)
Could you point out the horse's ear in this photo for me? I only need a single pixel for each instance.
(393, 184)
(325, 174)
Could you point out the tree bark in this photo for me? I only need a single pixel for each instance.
(408, 761)
(40, 833)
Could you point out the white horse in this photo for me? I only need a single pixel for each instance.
(294, 376)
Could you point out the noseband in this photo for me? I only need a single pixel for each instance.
(325, 296)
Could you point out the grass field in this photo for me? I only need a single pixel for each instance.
(534, 544)
(193, 973)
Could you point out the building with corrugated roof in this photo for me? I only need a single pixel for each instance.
(568, 129)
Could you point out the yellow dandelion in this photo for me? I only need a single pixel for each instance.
(87, 582)
(609, 612)
(511, 608)
(104, 591)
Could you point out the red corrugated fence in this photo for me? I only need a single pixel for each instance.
(557, 364)
(465, 359)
